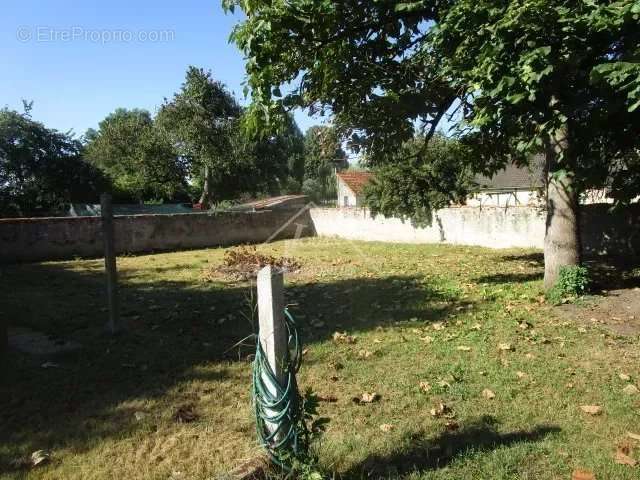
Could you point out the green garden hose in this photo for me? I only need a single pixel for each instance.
(280, 405)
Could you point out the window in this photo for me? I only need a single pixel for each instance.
(346, 201)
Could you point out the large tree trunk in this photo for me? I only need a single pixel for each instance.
(206, 199)
(562, 238)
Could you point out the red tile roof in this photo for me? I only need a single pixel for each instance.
(355, 180)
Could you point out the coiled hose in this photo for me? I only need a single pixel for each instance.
(278, 404)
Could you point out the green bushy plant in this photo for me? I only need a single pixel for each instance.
(573, 281)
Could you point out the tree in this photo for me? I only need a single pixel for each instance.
(419, 178)
(201, 120)
(271, 161)
(514, 79)
(42, 170)
(323, 155)
(141, 162)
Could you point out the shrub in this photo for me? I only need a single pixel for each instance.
(573, 281)
(313, 189)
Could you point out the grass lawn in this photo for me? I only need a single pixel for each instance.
(433, 324)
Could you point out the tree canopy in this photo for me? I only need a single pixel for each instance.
(137, 157)
(42, 170)
(201, 120)
(421, 178)
(511, 73)
(323, 155)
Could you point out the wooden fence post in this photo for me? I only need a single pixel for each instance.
(106, 211)
(272, 327)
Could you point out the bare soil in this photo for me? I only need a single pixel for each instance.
(616, 310)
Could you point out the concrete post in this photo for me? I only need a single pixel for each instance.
(272, 327)
(106, 210)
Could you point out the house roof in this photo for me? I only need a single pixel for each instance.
(513, 177)
(355, 181)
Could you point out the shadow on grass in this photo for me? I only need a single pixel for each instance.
(535, 258)
(509, 278)
(172, 328)
(418, 453)
(613, 272)
(608, 272)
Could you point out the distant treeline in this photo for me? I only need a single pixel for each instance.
(194, 149)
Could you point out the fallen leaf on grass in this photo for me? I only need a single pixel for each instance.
(623, 456)
(633, 436)
(463, 348)
(185, 414)
(591, 409)
(40, 457)
(442, 410)
(477, 326)
(386, 427)
(427, 339)
(452, 425)
(425, 386)
(624, 377)
(139, 416)
(505, 347)
(630, 389)
(342, 337)
(364, 354)
(488, 394)
(444, 384)
(438, 326)
(49, 365)
(366, 398)
(521, 375)
(336, 365)
(583, 475)
(327, 398)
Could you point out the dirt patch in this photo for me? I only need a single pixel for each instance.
(36, 343)
(616, 310)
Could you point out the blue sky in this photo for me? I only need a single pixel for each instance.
(80, 60)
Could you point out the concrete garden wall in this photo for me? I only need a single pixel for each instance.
(603, 232)
(488, 227)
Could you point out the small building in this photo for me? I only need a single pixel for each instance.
(350, 188)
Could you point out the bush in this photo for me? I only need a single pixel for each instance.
(291, 186)
(573, 281)
(313, 189)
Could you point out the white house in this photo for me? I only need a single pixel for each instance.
(510, 186)
(350, 187)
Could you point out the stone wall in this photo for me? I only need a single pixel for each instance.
(31, 239)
